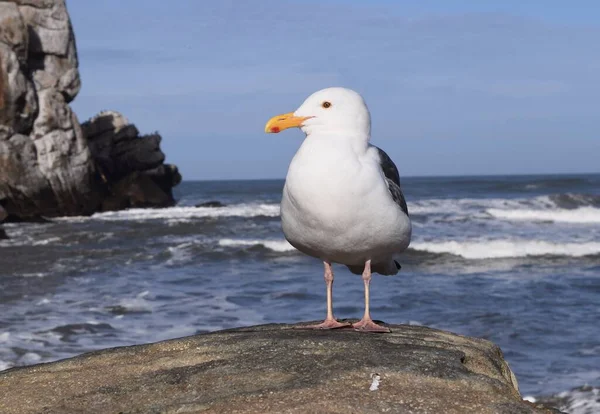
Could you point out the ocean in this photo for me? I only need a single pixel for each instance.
(512, 259)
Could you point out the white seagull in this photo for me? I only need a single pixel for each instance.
(342, 201)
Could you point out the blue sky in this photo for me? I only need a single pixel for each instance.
(455, 87)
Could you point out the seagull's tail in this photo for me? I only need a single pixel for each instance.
(387, 268)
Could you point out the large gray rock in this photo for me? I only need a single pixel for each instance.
(276, 369)
(45, 161)
(47, 166)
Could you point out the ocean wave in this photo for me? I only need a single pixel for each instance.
(474, 207)
(495, 249)
(566, 201)
(571, 205)
(44, 242)
(579, 215)
(18, 239)
(180, 253)
(573, 200)
(139, 304)
(5, 365)
(582, 400)
(275, 245)
(561, 208)
(184, 213)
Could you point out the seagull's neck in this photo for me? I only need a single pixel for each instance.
(359, 142)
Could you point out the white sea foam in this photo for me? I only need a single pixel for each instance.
(186, 213)
(468, 206)
(139, 304)
(37, 274)
(579, 215)
(542, 208)
(179, 253)
(583, 400)
(44, 242)
(30, 358)
(21, 238)
(493, 249)
(275, 245)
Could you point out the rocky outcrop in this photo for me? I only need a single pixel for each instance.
(211, 204)
(277, 369)
(46, 165)
(131, 166)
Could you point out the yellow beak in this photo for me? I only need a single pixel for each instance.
(280, 122)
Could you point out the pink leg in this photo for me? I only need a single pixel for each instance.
(366, 324)
(330, 322)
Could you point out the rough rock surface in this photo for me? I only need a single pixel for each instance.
(46, 165)
(130, 166)
(276, 369)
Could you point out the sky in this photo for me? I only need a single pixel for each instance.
(454, 87)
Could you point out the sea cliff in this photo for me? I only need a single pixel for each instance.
(49, 164)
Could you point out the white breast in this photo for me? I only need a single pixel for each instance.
(336, 205)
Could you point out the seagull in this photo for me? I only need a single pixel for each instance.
(342, 201)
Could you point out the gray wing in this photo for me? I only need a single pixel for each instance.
(392, 178)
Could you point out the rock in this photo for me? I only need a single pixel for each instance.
(137, 190)
(46, 164)
(48, 167)
(276, 369)
(212, 204)
(130, 165)
(28, 219)
(166, 176)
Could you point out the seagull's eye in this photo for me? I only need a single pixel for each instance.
(326, 104)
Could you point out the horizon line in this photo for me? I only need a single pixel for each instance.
(413, 176)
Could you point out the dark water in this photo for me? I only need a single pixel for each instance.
(512, 259)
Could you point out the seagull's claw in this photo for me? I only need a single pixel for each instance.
(326, 324)
(367, 325)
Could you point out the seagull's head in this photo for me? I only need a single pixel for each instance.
(328, 111)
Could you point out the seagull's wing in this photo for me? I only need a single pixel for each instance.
(392, 178)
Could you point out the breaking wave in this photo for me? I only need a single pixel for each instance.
(582, 400)
(562, 208)
(475, 249)
(140, 214)
(275, 245)
(494, 249)
(567, 208)
(571, 201)
(579, 215)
